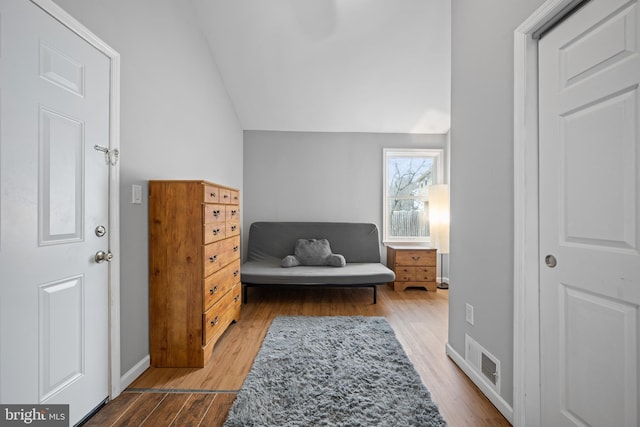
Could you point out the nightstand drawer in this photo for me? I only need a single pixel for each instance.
(426, 274)
(416, 257)
(417, 274)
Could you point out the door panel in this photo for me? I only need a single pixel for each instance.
(589, 71)
(61, 335)
(597, 150)
(54, 192)
(62, 178)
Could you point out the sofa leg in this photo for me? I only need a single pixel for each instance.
(375, 294)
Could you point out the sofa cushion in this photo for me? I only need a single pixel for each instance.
(269, 272)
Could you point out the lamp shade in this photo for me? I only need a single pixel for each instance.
(439, 217)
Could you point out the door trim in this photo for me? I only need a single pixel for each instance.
(526, 340)
(48, 6)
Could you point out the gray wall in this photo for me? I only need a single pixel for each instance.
(482, 176)
(316, 176)
(177, 123)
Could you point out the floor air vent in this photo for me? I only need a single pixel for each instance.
(483, 362)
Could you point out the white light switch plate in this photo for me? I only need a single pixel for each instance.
(469, 314)
(136, 194)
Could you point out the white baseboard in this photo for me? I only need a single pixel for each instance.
(133, 373)
(442, 279)
(497, 400)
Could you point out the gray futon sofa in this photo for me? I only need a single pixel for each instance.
(271, 242)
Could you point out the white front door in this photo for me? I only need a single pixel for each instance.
(589, 72)
(54, 196)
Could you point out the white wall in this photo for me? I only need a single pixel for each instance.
(316, 176)
(481, 260)
(177, 123)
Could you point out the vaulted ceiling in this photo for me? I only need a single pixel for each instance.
(334, 65)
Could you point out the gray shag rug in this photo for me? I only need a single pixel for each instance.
(332, 371)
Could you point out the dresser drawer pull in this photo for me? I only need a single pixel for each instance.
(235, 248)
(236, 298)
(226, 196)
(215, 321)
(233, 227)
(234, 212)
(216, 231)
(235, 273)
(212, 195)
(415, 258)
(213, 290)
(213, 258)
(216, 213)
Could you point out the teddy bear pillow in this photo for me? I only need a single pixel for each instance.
(313, 252)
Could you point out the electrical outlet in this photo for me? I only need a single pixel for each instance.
(469, 314)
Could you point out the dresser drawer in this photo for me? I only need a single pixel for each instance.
(211, 194)
(232, 213)
(219, 283)
(214, 231)
(225, 196)
(216, 318)
(214, 214)
(416, 257)
(220, 315)
(235, 197)
(218, 254)
(232, 228)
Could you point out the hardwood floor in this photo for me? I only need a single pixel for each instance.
(185, 397)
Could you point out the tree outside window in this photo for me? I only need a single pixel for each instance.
(408, 173)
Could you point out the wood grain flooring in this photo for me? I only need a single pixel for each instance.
(202, 397)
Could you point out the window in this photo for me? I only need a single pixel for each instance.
(407, 174)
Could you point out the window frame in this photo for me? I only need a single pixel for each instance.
(437, 154)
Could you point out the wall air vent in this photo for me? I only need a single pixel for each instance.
(489, 369)
(483, 362)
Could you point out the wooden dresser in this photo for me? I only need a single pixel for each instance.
(414, 266)
(194, 269)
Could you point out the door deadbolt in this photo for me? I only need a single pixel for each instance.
(551, 261)
(101, 230)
